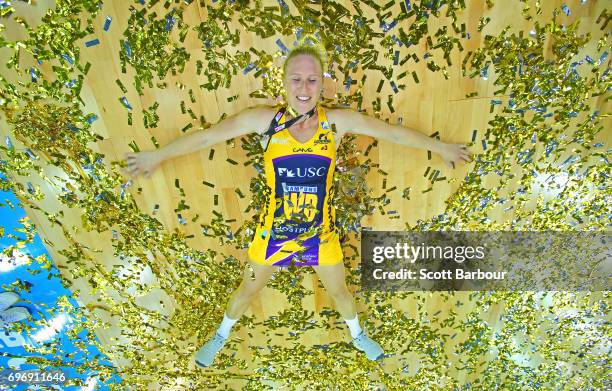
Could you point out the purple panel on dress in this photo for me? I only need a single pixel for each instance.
(309, 256)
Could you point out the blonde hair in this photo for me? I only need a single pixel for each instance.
(308, 45)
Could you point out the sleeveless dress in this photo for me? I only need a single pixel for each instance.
(297, 225)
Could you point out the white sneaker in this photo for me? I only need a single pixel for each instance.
(366, 344)
(205, 356)
(7, 299)
(12, 315)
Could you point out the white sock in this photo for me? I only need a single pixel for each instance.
(354, 326)
(226, 326)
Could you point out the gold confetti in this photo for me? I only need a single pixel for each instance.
(431, 347)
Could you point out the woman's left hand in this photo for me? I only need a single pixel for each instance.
(451, 153)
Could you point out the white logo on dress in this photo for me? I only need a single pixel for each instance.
(302, 172)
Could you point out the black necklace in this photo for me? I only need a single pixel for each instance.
(275, 127)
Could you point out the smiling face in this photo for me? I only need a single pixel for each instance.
(303, 82)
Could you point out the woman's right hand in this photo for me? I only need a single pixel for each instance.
(142, 163)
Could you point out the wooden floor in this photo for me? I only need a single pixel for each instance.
(434, 104)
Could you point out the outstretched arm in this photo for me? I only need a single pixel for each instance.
(250, 120)
(247, 121)
(350, 121)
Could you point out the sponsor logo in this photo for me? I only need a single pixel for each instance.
(279, 141)
(324, 125)
(290, 229)
(302, 172)
(304, 204)
(300, 149)
(322, 139)
(324, 148)
(298, 189)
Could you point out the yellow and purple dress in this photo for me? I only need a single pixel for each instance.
(297, 223)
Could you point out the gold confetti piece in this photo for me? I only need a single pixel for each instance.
(414, 76)
(192, 114)
(434, 175)
(427, 190)
(133, 146)
(121, 86)
(406, 193)
(179, 188)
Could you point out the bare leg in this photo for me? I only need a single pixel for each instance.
(333, 280)
(254, 279)
(252, 282)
